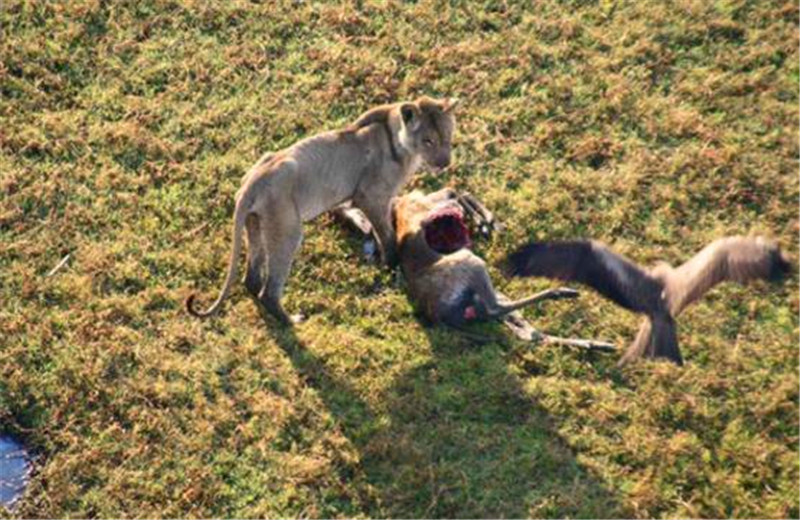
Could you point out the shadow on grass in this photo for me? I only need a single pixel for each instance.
(462, 439)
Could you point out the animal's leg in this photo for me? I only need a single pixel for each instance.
(520, 327)
(285, 236)
(492, 305)
(378, 213)
(256, 256)
(353, 218)
(588, 344)
(526, 332)
(482, 217)
(523, 330)
(442, 195)
(472, 207)
(497, 309)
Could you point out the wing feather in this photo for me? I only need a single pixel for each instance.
(730, 259)
(590, 263)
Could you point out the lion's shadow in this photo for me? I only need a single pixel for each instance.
(457, 437)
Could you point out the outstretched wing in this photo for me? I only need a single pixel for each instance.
(590, 263)
(735, 259)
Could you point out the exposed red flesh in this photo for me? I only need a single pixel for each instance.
(445, 231)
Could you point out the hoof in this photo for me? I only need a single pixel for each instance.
(370, 251)
(294, 319)
(566, 292)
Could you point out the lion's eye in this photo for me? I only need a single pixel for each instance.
(427, 142)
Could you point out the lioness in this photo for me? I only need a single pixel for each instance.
(366, 162)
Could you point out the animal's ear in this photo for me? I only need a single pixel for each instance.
(410, 114)
(450, 104)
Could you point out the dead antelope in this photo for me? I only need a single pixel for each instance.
(449, 283)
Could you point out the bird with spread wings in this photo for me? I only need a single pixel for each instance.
(660, 293)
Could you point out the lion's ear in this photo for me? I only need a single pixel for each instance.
(410, 114)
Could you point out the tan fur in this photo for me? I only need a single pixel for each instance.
(448, 287)
(367, 162)
(438, 282)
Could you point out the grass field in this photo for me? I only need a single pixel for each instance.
(125, 128)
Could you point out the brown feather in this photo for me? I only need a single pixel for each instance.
(594, 264)
(730, 259)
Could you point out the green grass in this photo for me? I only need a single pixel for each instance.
(656, 127)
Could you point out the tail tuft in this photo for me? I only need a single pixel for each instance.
(190, 306)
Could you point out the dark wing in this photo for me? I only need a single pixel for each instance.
(734, 259)
(590, 263)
